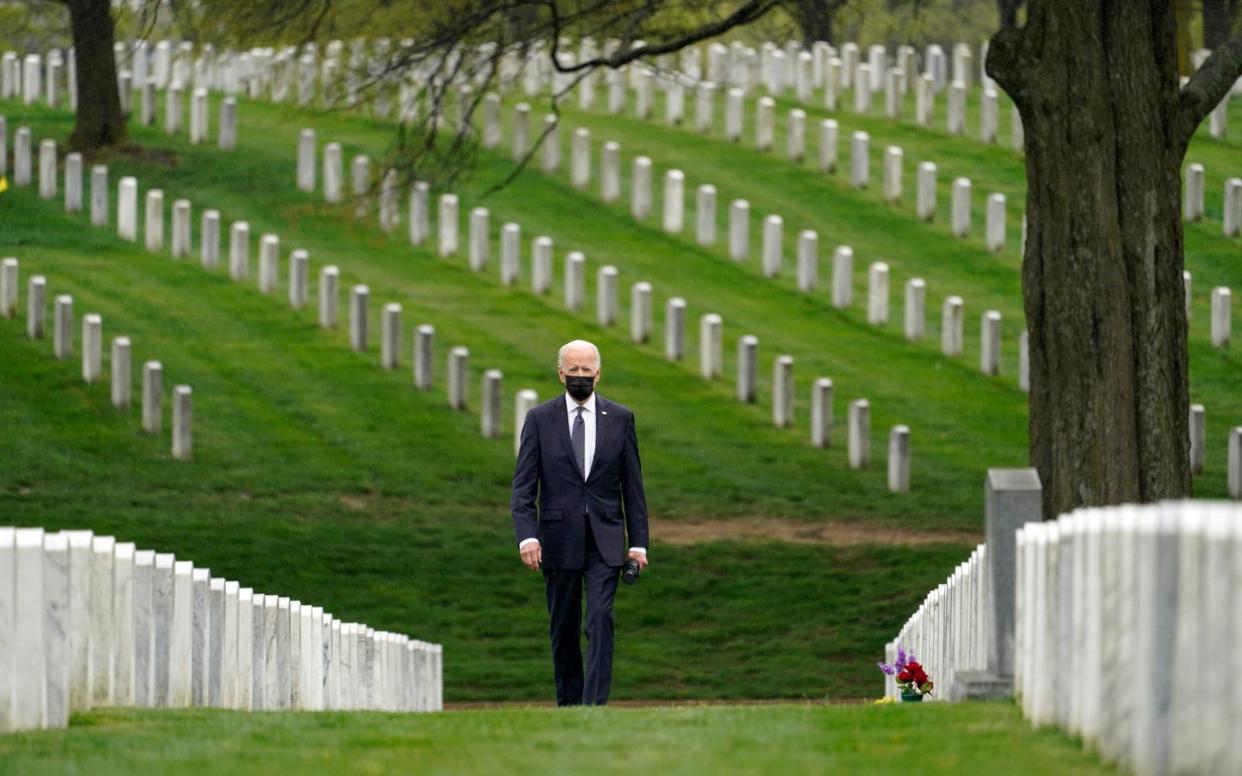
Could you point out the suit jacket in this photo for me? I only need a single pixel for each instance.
(547, 474)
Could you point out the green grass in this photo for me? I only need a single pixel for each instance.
(930, 738)
(320, 476)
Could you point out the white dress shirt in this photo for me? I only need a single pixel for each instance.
(588, 421)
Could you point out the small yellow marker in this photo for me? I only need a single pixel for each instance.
(4, 184)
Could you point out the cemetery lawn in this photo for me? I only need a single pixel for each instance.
(789, 739)
(320, 476)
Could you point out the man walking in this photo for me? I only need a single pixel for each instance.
(578, 458)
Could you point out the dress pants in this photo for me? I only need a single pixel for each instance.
(564, 589)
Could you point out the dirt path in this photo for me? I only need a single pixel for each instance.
(758, 529)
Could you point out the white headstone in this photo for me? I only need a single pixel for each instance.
(675, 328)
(899, 459)
(489, 409)
(1198, 438)
(182, 423)
(26, 677)
(458, 377)
(333, 173)
(479, 240)
(127, 209)
(960, 218)
(821, 412)
(73, 182)
(828, 145)
(739, 229)
(359, 297)
(640, 194)
(580, 158)
(859, 420)
(524, 402)
(996, 222)
(860, 160)
(783, 392)
(808, 260)
(674, 201)
(610, 172)
(154, 231)
(877, 293)
(36, 306)
(446, 225)
(842, 276)
(329, 296)
(915, 317)
(957, 108)
(892, 174)
(765, 123)
(550, 149)
(424, 354)
(1192, 193)
(47, 169)
(990, 343)
(951, 327)
(420, 213)
(92, 347)
(575, 280)
(306, 160)
(773, 245)
(711, 346)
(640, 311)
(152, 397)
(1221, 316)
(541, 265)
(606, 296)
(99, 195)
(62, 327)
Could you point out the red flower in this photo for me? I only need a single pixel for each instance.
(913, 666)
(903, 676)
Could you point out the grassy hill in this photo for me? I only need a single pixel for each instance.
(321, 476)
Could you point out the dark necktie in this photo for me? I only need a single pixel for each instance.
(578, 438)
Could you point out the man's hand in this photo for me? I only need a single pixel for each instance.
(532, 556)
(641, 557)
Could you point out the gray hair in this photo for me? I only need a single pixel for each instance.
(573, 344)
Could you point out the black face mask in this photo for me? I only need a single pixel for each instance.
(579, 387)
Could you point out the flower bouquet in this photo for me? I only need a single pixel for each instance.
(911, 678)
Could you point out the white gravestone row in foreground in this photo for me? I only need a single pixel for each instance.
(1116, 624)
(1127, 632)
(86, 621)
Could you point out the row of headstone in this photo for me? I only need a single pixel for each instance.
(859, 178)
(51, 78)
(807, 254)
(963, 632)
(948, 633)
(479, 252)
(1193, 200)
(87, 621)
(92, 347)
(239, 265)
(1125, 619)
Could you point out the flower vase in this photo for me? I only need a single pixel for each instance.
(912, 697)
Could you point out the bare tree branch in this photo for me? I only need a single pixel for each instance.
(1209, 86)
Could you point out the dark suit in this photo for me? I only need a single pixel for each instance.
(581, 526)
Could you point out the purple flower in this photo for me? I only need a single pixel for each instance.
(890, 670)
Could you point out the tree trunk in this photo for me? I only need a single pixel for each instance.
(1097, 87)
(99, 122)
(1218, 21)
(1008, 10)
(814, 18)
